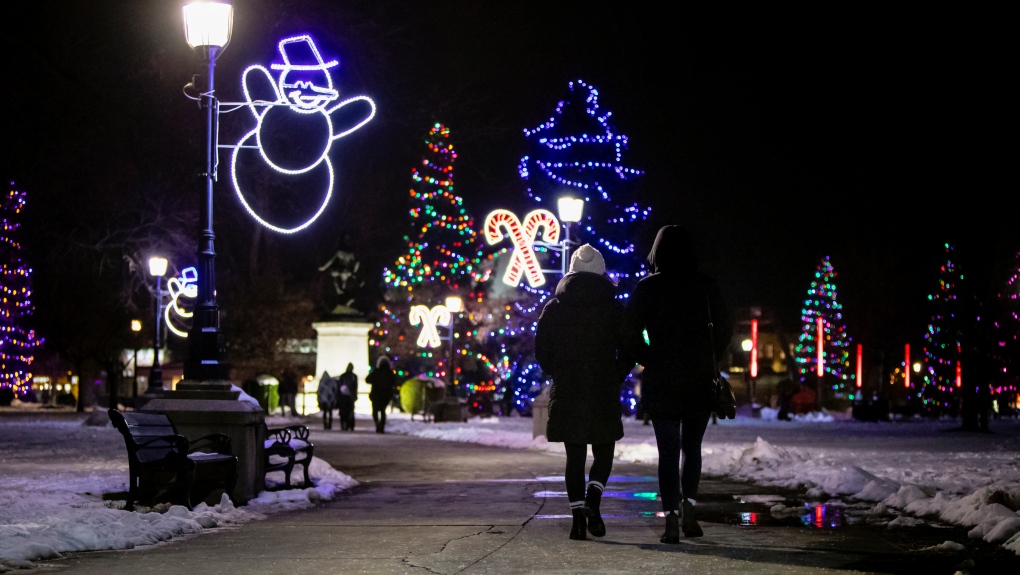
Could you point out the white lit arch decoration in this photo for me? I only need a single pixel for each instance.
(184, 286)
(428, 319)
(523, 262)
(309, 91)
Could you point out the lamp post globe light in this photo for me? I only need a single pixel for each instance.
(207, 27)
(157, 268)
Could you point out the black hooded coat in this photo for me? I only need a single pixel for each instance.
(672, 305)
(578, 342)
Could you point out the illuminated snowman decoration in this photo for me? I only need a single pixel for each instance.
(302, 95)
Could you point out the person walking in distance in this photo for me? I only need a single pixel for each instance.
(673, 305)
(327, 395)
(382, 379)
(578, 342)
(288, 391)
(348, 395)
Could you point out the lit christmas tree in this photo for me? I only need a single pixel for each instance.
(939, 382)
(17, 340)
(822, 304)
(576, 152)
(1006, 354)
(442, 258)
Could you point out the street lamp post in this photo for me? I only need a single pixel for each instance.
(157, 267)
(136, 326)
(570, 210)
(207, 25)
(455, 305)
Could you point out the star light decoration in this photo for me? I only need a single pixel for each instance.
(304, 87)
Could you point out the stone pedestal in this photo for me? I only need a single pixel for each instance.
(201, 408)
(540, 412)
(341, 342)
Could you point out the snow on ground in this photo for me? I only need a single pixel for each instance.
(54, 474)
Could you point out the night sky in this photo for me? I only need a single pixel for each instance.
(779, 137)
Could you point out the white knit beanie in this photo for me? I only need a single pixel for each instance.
(587, 259)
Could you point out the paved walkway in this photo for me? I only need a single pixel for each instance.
(427, 506)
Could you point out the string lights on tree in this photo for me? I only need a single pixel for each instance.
(17, 340)
(822, 353)
(942, 370)
(442, 256)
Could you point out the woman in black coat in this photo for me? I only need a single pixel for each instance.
(578, 342)
(383, 380)
(674, 306)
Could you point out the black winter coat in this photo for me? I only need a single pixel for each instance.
(672, 305)
(578, 342)
(383, 381)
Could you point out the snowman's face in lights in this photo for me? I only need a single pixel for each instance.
(307, 89)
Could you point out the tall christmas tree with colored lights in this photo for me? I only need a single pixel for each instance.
(938, 391)
(576, 153)
(17, 340)
(1006, 352)
(441, 258)
(823, 313)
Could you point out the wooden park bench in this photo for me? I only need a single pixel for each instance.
(165, 467)
(287, 447)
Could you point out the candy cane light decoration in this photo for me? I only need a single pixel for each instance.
(522, 260)
(428, 319)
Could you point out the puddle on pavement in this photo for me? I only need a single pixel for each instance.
(769, 510)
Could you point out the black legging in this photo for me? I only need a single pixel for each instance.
(673, 438)
(379, 413)
(601, 467)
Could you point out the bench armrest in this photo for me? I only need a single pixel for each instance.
(217, 442)
(178, 442)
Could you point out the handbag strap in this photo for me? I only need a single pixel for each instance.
(711, 339)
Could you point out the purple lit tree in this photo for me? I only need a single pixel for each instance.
(17, 340)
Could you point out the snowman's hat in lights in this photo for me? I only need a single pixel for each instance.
(304, 54)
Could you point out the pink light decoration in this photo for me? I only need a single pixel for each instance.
(754, 348)
(522, 260)
(821, 355)
(959, 379)
(859, 348)
(906, 366)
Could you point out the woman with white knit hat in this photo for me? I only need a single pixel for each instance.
(578, 343)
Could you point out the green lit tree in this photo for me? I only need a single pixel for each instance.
(822, 304)
(938, 391)
(441, 257)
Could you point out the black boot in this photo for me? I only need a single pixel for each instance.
(689, 524)
(591, 510)
(578, 528)
(672, 532)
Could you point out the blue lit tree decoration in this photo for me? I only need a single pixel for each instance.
(17, 340)
(942, 341)
(576, 152)
(822, 303)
